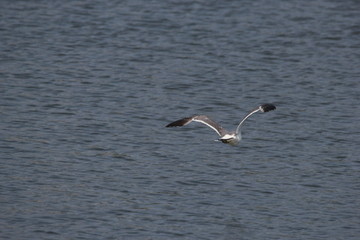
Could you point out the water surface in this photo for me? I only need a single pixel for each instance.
(87, 87)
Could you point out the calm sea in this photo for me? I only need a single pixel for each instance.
(87, 87)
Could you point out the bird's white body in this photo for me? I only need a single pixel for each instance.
(231, 138)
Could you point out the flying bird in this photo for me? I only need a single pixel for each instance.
(229, 137)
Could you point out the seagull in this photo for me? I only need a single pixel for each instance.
(229, 137)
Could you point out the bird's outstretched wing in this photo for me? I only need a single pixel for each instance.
(262, 108)
(201, 119)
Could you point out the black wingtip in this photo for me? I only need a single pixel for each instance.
(267, 107)
(173, 124)
(178, 123)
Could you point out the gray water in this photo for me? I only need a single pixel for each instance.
(86, 88)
